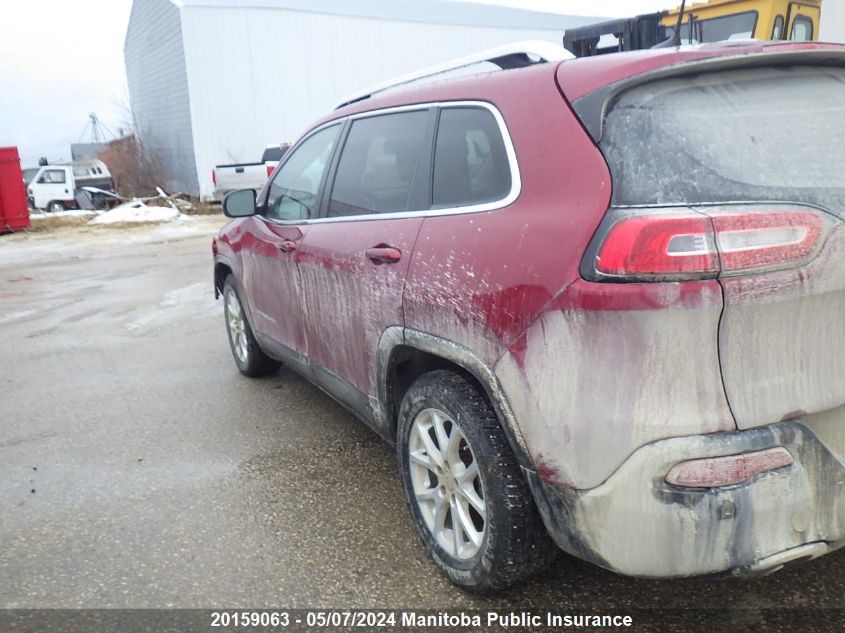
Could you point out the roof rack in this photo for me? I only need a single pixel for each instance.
(516, 55)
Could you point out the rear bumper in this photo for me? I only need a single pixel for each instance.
(636, 524)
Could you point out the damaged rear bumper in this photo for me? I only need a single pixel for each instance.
(636, 524)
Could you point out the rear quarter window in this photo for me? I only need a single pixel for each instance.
(470, 161)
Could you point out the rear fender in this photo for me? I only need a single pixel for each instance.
(460, 356)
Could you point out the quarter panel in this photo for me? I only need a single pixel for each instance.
(611, 367)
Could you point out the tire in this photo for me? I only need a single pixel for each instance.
(54, 206)
(513, 542)
(249, 357)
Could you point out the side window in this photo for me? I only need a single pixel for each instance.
(470, 161)
(777, 30)
(802, 29)
(293, 193)
(380, 164)
(54, 176)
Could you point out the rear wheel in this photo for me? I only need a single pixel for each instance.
(249, 357)
(469, 500)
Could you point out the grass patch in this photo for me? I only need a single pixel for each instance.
(47, 224)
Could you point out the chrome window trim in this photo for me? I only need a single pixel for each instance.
(510, 151)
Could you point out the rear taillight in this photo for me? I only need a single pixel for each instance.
(649, 244)
(214, 177)
(270, 169)
(727, 470)
(658, 245)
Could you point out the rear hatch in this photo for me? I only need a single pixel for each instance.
(760, 153)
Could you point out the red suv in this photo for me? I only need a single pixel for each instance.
(597, 303)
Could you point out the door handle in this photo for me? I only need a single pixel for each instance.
(383, 254)
(288, 246)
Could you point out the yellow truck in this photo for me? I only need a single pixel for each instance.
(719, 20)
(702, 22)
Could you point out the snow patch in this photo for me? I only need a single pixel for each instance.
(136, 211)
(69, 213)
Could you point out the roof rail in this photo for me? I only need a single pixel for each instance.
(516, 55)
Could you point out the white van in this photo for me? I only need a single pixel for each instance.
(57, 187)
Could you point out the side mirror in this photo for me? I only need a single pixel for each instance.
(240, 203)
(41, 180)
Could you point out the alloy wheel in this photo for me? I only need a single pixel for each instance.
(237, 326)
(446, 484)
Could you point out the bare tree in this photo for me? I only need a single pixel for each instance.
(136, 167)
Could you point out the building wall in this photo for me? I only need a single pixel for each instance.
(259, 76)
(158, 90)
(832, 21)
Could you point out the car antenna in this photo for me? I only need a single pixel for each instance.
(676, 38)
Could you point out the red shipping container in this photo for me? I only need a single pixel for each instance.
(14, 211)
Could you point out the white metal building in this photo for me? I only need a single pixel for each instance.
(215, 81)
(832, 21)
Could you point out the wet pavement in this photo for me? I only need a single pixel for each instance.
(139, 469)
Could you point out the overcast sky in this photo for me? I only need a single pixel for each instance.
(63, 59)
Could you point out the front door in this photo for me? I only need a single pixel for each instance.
(354, 262)
(272, 238)
(52, 184)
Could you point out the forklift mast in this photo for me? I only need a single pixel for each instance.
(637, 33)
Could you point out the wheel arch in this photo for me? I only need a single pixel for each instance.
(405, 354)
(222, 269)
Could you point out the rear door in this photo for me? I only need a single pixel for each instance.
(354, 261)
(271, 240)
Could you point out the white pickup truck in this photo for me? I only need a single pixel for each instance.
(59, 187)
(228, 178)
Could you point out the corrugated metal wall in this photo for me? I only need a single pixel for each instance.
(158, 90)
(259, 76)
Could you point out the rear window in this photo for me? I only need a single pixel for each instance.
(274, 154)
(760, 134)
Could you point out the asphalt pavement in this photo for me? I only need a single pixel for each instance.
(138, 468)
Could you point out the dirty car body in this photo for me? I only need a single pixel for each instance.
(645, 283)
